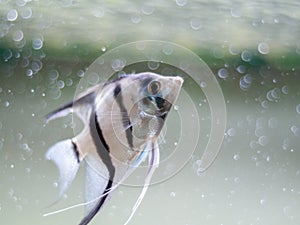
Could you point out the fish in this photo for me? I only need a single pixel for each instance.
(122, 121)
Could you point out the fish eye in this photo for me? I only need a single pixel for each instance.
(153, 87)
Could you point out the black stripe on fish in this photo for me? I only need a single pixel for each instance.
(88, 218)
(75, 149)
(125, 117)
(103, 152)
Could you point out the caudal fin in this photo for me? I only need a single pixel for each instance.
(66, 157)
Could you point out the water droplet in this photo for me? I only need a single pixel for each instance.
(103, 49)
(18, 35)
(298, 108)
(202, 84)
(263, 48)
(172, 194)
(12, 15)
(223, 73)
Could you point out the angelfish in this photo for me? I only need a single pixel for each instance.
(122, 121)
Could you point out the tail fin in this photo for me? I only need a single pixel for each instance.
(67, 158)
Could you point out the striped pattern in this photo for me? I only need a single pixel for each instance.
(99, 139)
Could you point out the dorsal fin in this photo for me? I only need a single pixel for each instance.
(84, 98)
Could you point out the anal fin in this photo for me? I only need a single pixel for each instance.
(66, 157)
(98, 187)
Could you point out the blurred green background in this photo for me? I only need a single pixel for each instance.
(252, 47)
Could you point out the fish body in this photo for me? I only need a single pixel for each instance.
(122, 120)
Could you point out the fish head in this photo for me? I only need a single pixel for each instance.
(153, 96)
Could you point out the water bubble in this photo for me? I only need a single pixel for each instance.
(69, 82)
(195, 24)
(29, 72)
(7, 54)
(167, 49)
(12, 15)
(231, 132)
(53, 75)
(298, 108)
(263, 140)
(181, 2)
(55, 93)
(26, 12)
(103, 49)
(262, 201)
(135, 19)
(295, 130)
(223, 73)
(147, 10)
(80, 73)
(18, 35)
(172, 194)
(245, 82)
(60, 84)
(6, 104)
(263, 48)
(118, 64)
(236, 157)
(93, 78)
(246, 56)
(153, 65)
(36, 65)
(176, 107)
(285, 90)
(234, 50)
(203, 84)
(37, 43)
